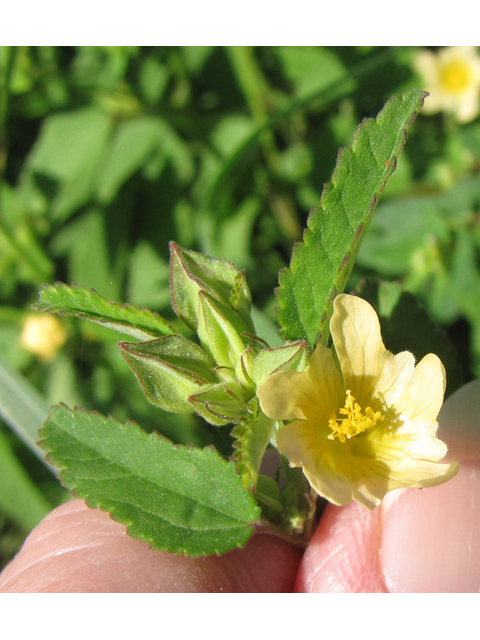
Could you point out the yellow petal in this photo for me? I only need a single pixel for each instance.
(415, 440)
(425, 63)
(325, 383)
(394, 381)
(301, 443)
(469, 107)
(410, 472)
(379, 478)
(427, 390)
(280, 395)
(463, 54)
(358, 342)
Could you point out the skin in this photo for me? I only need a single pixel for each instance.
(416, 541)
(395, 548)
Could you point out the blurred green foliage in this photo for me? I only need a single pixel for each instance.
(108, 153)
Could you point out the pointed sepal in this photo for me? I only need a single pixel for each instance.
(220, 404)
(291, 357)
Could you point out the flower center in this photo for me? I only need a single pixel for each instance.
(456, 77)
(354, 422)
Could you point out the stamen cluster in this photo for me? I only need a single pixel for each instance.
(355, 421)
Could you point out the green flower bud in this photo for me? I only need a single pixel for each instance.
(169, 369)
(220, 330)
(192, 272)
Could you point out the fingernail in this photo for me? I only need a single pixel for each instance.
(430, 540)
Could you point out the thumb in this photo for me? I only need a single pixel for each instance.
(418, 540)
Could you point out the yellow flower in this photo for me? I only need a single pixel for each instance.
(452, 77)
(367, 425)
(42, 335)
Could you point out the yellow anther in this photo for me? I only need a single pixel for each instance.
(355, 421)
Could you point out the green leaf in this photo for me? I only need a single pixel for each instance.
(153, 80)
(148, 283)
(90, 260)
(322, 262)
(65, 162)
(133, 144)
(90, 305)
(20, 498)
(310, 69)
(399, 230)
(265, 329)
(178, 499)
(267, 494)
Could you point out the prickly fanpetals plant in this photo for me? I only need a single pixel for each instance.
(359, 429)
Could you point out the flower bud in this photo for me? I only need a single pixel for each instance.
(169, 369)
(220, 330)
(192, 272)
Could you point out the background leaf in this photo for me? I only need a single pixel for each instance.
(178, 499)
(20, 499)
(65, 161)
(322, 263)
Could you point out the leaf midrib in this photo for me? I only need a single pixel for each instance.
(139, 475)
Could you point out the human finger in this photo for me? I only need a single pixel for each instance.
(76, 549)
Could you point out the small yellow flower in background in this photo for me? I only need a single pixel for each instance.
(364, 427)
(42, 335)
(452, 77)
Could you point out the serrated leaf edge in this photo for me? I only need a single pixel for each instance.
(62, 286)
(328, 186)
(50, 457)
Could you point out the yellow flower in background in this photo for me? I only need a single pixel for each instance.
(452, 77)
(42, 335)
(363, 424)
